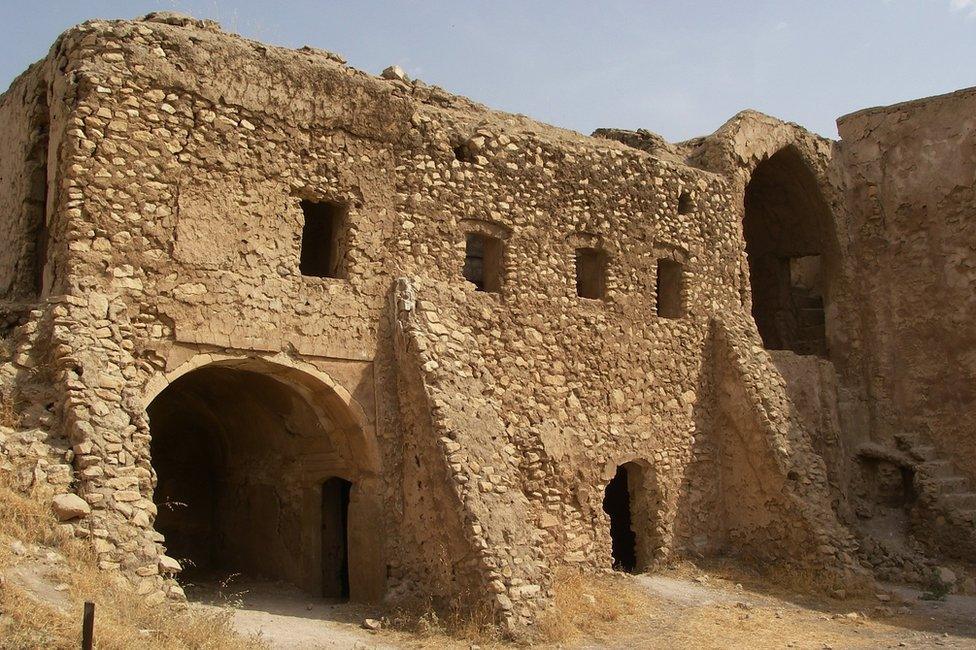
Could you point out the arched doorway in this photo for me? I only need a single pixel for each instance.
(787, 228)
(260, 474)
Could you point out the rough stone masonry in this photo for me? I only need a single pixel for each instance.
(271, 315)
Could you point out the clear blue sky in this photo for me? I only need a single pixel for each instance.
(676, 67)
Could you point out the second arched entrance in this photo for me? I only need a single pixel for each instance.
(788, 232)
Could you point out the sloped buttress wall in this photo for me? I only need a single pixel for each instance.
(471, 519)
(776, 487)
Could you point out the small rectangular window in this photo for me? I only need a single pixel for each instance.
(323, 239)
(591, 272)
(670, 281)
(483, 262)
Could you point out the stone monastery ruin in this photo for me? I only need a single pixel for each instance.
(272, 315)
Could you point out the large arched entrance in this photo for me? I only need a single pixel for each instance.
(787, 230)
(263, 473)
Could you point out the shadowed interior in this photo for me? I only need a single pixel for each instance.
(242, 461)
(786, 231)
(617, 504)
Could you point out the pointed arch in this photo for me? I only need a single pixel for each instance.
(790, 239)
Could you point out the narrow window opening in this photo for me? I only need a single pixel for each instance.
(322, 239)
(335, 538)
(483, 262)
(909, 494)
(670, 281)
(617, 504)
(684, 203)
(591, 272)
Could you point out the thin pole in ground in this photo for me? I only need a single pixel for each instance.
(88, 626)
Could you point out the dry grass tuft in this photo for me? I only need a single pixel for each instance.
(122, 618)
(783, 578)
(8, 410)
(439, 626)
(27, 518)
(588, 606)
(817, 582)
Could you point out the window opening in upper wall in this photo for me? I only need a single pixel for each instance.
(670, 284)
(591, 272)
(483, 261)
(323, 239)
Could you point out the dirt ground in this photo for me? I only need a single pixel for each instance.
(680, 609)
(285, 617)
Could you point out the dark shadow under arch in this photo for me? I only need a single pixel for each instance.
(241, 459)
(788, 232)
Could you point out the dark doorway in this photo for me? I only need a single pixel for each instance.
(335, 538)
(616, 503)
(787, 230)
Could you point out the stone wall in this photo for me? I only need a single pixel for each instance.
(909, 173)
(478, 429)
(24, 136)
(779, 497)
(811, 383)
(470, 461)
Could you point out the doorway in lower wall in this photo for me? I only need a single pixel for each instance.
(617, 504)
(335, 538)
(248, 456)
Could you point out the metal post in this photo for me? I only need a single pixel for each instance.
(88, 626)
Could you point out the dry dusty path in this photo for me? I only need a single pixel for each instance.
(681, 611)
(286, 618)
(710, 613)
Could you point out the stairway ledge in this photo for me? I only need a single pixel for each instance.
(882, 452)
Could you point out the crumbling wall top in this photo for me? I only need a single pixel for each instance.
(848, 124)
(180, 20)
(748, 138)
(314, 87)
